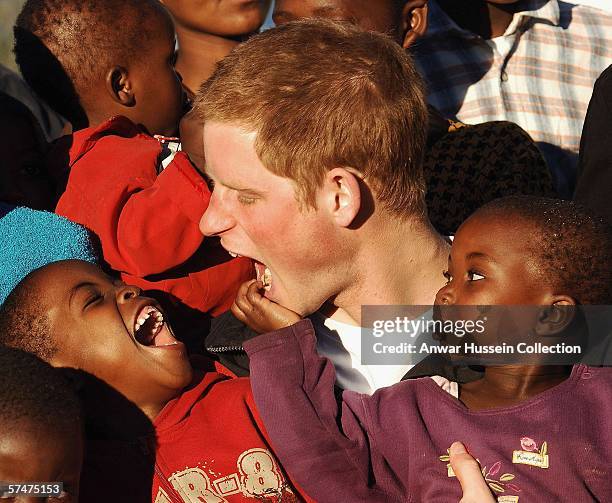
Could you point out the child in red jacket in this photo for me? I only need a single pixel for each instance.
(141, 197)
(156, 428)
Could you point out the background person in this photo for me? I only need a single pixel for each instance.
(208, 30)
(532, 62)
(595, 162)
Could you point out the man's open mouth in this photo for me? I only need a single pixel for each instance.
(150, 329)
(263, 272)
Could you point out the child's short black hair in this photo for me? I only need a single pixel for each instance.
(35, 393)
(23, 322)
(11, 107)
(573, 245)
(85, 36)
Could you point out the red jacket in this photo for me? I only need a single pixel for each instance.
(208, 444)
(211, 446)
(148, 222)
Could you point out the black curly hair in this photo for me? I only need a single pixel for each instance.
(36, 394)
(573, 245)
(62, 47)
(23, 322)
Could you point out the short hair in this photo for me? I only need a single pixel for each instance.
(35, 393)
(84, 36)
(572, 245)
(322, 94)
(24, 324)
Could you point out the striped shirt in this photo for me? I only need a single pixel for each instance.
(539, 74)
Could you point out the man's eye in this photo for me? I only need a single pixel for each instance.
(448, 276)
(474, 276)
(246, 200)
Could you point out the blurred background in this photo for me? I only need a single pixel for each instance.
(10, 8)
(8, 13)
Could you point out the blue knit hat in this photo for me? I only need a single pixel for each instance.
(30, 239)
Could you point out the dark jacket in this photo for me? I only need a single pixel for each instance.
(227, 334)
(595, 161)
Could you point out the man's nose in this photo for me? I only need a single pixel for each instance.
(216, 220)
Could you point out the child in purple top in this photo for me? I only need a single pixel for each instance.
(540, 433)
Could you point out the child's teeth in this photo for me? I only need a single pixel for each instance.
(233, 254)
(148, 311)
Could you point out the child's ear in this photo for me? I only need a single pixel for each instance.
(342, 195)
(556, 317)
(414, 21)
(119, 86)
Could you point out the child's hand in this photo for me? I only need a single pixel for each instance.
(259, 313)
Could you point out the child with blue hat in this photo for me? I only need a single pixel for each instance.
(30, 239)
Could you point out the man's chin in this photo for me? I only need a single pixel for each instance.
(285, 301)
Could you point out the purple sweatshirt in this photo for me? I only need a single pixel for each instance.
(392, 446)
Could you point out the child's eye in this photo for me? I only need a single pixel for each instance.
(31, 170)
(92, 299)
(474, 276)
(448, 276)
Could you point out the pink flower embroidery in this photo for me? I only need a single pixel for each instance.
(528, 444)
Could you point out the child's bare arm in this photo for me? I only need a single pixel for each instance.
(260, 313)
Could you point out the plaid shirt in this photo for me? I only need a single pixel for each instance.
(539, 74)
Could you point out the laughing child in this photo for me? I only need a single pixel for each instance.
(541, 433)
(141, 197)
(157, 427)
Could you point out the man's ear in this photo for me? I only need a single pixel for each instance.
(414, 21)
(119, 86)
(556, 317)
(342, 195)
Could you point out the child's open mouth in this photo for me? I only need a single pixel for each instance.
(150, 329)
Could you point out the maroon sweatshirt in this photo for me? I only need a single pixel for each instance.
(392, 446)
